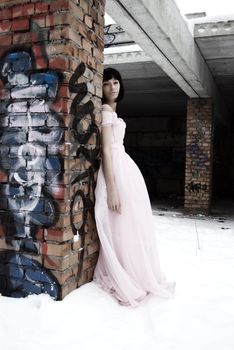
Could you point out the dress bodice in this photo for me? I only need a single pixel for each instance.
(118, 126)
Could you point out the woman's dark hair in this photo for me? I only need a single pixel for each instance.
(110, 73)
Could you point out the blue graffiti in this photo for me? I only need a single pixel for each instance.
(28, 128)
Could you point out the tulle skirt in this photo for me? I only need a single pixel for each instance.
(128, 265)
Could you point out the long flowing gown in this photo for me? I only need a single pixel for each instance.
(128, 265)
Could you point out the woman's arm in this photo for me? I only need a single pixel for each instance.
(113, 200)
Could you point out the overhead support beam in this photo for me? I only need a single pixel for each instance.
(160, 30)
(126, 57)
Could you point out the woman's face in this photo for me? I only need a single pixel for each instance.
(111, 90)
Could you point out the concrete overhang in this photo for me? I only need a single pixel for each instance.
(126, 57)
(149, 91)
(215, 40)
(160, 30)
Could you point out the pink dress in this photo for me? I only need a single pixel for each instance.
(128, 266)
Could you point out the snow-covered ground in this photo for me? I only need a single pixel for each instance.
(196, 252)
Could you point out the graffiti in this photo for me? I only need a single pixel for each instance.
(24, 144)
(86, 149)
(31, 134)
(28, 128)
(199, 159)
(197, 154)
(24, 276)
(114, 35)
(196, 187)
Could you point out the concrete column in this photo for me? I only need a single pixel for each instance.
(199, 155)
(51, 65)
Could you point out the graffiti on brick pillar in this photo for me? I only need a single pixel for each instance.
(85, 148)
(196, 187)
(199, 159)
(30, 132)
(197, 155)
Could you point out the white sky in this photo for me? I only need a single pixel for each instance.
(211, 7)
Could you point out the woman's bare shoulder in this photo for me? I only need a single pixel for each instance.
(106, 107)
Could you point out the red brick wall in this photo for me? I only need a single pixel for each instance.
(51, 65)
(199, 155)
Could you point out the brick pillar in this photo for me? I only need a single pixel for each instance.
(51, 65)
(199, 155)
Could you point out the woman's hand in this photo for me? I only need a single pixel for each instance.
(113, 201)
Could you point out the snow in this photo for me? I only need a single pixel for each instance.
(211, 7)
(196, 252)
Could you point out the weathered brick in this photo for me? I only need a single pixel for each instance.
(92, 37)
(6, 39)
(41, 7)
(5, 13)
(5, 26)
(17, 11)
(198, 154)
(59, 63)
(83, 55)
(92, 248)
(20, 25)
(28, 9)
(69, 33)
(55, 34)
(98, 54)
(59, 235)
(87, 46)
(42, 63)
(76, 11)
(84, 5)
(22, 38)
(64, 49)
(63, 276)
(91, 62)
(58, 19)
(88, 20)
(40, 20)
(59, 5)
(61, 263)
(69, 286)
(83, 278)
(3, 176)
(81, 29)
(61, 106)
(55, 249)
(63, 34)
(64, 92)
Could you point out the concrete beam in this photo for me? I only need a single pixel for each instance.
(160, 30)
(214, 29)
(126, 57)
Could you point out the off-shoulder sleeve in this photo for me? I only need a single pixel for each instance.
(107, 118)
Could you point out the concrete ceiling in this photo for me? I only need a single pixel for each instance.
(216, 43)
(149, 91)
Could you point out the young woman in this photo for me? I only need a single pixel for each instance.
(128, 266)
